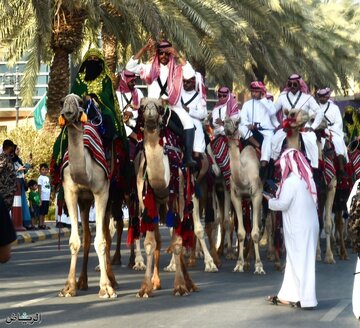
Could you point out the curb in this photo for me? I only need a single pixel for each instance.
(40, 235)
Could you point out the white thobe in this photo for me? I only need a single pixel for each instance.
(197, 112)
(356, 287)
(306, 102)
(335, 126)
(154, 88)
(303, 101)
(220, 112)
(301, 229)
(259, 111)
(123, 103)
(311, 148)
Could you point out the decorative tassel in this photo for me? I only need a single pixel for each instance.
(61, 121)
(83, 118)
(170, 219)
(130, 237)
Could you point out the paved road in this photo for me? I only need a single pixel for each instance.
(29, 284)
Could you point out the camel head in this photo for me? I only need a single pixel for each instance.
(152, 109)
(231, 126)
(72, 111)
(296, 119)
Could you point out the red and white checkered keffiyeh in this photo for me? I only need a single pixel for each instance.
(292, 160)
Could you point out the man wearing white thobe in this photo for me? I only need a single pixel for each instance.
(258, 115)
(335, 126)
(194, 102)
(163, 78)
(295, 96)
(296, 199)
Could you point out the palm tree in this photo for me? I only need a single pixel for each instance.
(232, 39)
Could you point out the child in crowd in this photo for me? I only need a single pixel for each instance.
(34, 203)
(44, 191)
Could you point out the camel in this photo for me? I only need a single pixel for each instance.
(154, 164)
(84, 180)
(245, 182)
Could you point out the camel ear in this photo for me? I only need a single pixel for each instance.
(164, 102)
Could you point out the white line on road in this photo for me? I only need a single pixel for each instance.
(35, 300)
(335, 311)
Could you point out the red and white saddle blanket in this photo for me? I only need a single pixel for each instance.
(92, 141)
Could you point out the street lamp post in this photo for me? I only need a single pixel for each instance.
(15, 85)
(16, 93)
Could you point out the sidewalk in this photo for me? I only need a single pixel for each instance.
(38, 235)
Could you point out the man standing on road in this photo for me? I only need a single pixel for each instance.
(7, 192)
(296, 198)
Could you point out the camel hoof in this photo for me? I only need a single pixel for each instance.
(318, 258)
(259, 270)
(181, 290)
(344, 257)
(68, 293)
(329, 260)
(82, 285)
(139, 266)
(107, 292)
(170, 268)
(239, 268)
(211, 267)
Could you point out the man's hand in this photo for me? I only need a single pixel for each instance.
(218, 121)
(251, 127)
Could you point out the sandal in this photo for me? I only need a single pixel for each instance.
(43, 227)
(276, 301)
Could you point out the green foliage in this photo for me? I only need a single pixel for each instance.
(39, 143)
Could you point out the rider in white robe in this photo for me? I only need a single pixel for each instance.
(296, 198)
(295, 96)
(259, 114)
(164, 80)
(193, 100)
(334, 120)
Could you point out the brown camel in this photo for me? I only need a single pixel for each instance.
(84, 180)
(157, 172)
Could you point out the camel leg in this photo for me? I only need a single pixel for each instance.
(255, 232)
(180, 288)
(330, 195)
(106, 289)
(228, 226)
(339, 227)
(108, 237)
(236, 201)
(116, 259)
(139, 259)
(172, 265)
(156, 278)
(149, 246)
(82, 283)
(199, 232)
(74, 241)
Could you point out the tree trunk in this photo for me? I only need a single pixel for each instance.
(58, 87)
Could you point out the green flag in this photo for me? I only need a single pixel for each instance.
(40, 113)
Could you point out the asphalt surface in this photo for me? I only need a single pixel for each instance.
(30, 282)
